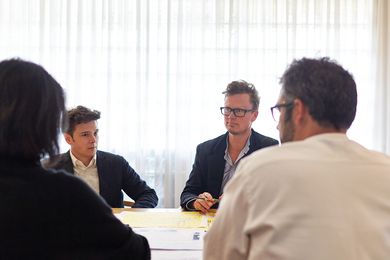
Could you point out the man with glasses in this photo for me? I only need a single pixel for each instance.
(317, 196)
(216, 160)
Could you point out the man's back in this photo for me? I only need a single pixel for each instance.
(323, 198)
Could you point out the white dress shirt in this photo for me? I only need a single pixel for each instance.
(87, 173)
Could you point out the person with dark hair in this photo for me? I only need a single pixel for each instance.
(317, 196)
(108, 174)
(216, 160)
(47, 214)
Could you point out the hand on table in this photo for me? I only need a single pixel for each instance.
(204, 202)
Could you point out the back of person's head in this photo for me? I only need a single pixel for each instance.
(32, 110)
(328, 90)
(243, 87)
(80, 115)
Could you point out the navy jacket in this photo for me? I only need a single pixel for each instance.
(208, 168)
(115, 174)
(49, 214)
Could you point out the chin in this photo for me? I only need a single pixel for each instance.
(233, 132)
(92, 152)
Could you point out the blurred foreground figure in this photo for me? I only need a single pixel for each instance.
(48, 214)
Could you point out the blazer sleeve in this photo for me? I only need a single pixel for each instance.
(195, 183)
(136, 188)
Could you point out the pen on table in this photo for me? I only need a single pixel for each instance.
(206, 199)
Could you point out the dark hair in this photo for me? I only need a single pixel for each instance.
(32, 110)
(328, 90)
(243, 87)
(80, 115)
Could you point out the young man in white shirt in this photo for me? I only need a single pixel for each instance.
(108, 174)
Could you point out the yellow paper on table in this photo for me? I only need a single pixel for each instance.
(165, 219)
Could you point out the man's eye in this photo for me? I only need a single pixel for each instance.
(238, 110)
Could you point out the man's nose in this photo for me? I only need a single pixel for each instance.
(231, 115)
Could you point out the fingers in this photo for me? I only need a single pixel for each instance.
(202, 206)
(204, 203)
(206, 195)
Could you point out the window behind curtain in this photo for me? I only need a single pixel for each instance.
(156, 69)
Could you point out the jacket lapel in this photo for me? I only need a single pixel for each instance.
(66, 163)
(216, 167)
(101, 170)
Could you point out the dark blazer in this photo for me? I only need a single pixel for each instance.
(115, 174)
(208, 168)
(49, 214)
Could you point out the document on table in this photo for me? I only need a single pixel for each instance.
(165, 219)
(173, 239)
(177, 255)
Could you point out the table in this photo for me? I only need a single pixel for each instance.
(173, 234)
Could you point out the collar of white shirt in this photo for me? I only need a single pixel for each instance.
(77, 163)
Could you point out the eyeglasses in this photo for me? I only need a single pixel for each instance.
(237, 112)
(275, 110)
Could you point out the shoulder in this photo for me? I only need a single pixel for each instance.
(56, 162)
(102, 156)
(262, 140)
(211, 144)
(70, 191)
(61, 178)
(274, 156)
(107, 155)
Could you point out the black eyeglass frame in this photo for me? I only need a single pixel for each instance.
(235, 111)
(278, 106)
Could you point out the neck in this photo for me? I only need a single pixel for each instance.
(237, 142)
(84, 160)
(316, 129)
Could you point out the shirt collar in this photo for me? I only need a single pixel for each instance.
(243, 151)
(77, 163)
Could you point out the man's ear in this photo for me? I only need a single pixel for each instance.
(68, 138)
(300, 111)
(254, 116)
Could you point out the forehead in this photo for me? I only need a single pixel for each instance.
(86, 127)
(282, 96)
(238, 100)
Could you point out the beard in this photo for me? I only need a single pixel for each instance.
(287, 131)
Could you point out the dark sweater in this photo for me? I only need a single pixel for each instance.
(54, 215)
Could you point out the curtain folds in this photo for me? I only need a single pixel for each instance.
(156, 69)
(381, 71)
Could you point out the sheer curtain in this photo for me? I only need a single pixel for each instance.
(156, 69)
(381, 69)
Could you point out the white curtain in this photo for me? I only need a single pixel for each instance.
(156, 69)
(381, 70)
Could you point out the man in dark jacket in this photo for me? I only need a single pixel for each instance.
(108, 174)
(216, 160)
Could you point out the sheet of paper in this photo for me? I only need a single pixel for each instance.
(173, 239)
(176, 255)
(150, 219)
